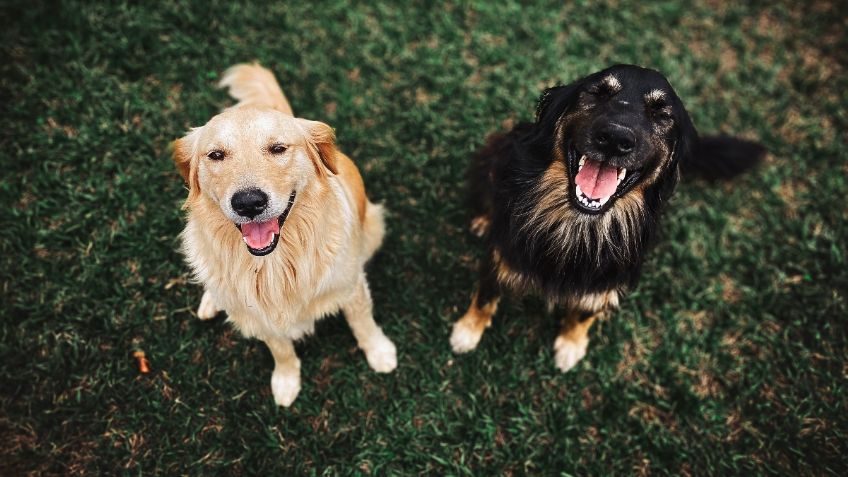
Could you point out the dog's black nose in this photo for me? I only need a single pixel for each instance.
(249, 202)
(614, 139)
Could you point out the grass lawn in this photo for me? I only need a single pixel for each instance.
(729, 357)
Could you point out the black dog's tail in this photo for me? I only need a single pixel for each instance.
(722, 157)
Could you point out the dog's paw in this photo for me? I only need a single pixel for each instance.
(285, 388)
(480, 225)
(569, 352)
(465, 336)
(207, 309)
(382, 355)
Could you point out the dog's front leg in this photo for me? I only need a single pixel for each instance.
(468, 330)
(208, 308)
(570, 346)
(573, 340)
(285, 382)
(379, 350)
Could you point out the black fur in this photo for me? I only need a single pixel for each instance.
(722, 157)
(505, 177)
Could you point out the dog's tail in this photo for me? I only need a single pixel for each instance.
(722, 157)
(253, 85)
(374, 228)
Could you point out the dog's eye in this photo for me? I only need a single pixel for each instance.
(216, 155)
(600, 90)
(277, 149)
(663, 113)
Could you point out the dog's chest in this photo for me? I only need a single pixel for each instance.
(561, 279)
(284, 298)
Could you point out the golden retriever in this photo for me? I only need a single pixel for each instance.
(278, 227)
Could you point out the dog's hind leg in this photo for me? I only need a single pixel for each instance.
(208, 309)
(379, 350)
(468, 330)
(285, 381)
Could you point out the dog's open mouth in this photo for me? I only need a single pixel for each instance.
(261, 237)
(598, 184)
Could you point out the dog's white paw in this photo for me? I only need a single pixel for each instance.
(381, 355)
(207, 309)
(285, 388)
(569, 352)
(465, 337)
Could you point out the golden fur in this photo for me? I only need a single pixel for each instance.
(330, 232)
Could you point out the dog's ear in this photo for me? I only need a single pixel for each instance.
(183, 154)
(321, 145)
(685, 141)
(545, 100)
(556, 100)
(553, 103)
(687, 136)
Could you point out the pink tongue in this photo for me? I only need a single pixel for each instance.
(259, 235)
(597, 180)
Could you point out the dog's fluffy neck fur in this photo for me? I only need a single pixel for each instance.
(297, 270)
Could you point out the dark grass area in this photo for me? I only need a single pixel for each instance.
(729, 358)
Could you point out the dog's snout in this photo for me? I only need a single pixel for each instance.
(249, 202)
(614, 139)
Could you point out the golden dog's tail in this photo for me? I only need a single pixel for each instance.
(253, 85)
(374, 228)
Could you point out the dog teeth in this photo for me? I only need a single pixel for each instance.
(621, 173)
(580, 165)
(588, 202)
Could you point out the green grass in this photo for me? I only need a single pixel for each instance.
(729, 357)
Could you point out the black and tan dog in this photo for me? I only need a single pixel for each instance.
(568, 204)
